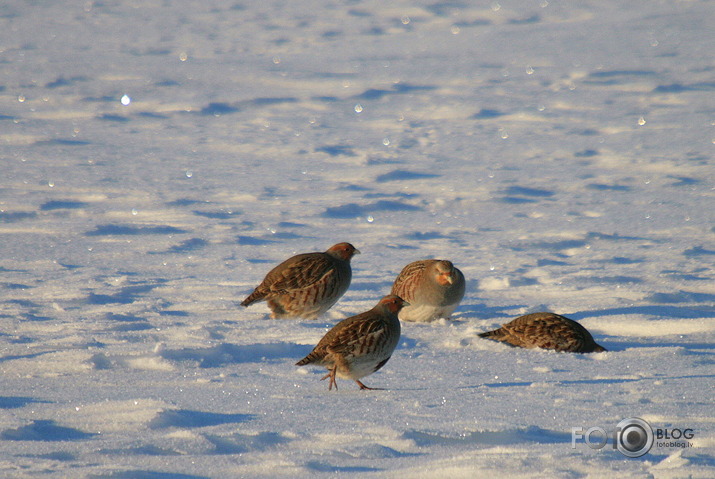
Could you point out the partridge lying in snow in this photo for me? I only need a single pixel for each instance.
(306, 285)
(360, 345)
(433, 288)
(547, 331)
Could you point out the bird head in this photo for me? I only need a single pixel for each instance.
(344, 251)
(444, 272)
(393, 303)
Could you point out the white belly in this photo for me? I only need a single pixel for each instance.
(423, 313)
(360, 367)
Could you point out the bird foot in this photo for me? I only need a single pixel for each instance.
(365, 388)
(332, 382)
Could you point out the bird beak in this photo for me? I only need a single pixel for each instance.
(449, 278)
(357, 251)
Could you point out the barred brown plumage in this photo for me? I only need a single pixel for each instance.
(359, 345)
(306, 285)
(546, 331)
(434, 289)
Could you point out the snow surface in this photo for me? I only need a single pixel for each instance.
(160, 156)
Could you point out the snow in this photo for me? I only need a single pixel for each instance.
(159, 157)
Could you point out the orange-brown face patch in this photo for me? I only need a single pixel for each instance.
(446, 278)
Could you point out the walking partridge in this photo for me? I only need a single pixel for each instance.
(546, 331)
(433, 288)
(360, 345)
(306, 285)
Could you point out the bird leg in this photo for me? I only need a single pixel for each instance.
(362, 386)
(365, 388)
(331, 375)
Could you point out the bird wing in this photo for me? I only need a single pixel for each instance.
(410, 274)
(360, 332)
(549, 332)
(299, 274)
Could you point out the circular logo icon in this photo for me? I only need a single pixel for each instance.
(634, 438)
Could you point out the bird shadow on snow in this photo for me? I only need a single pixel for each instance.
(679, 312)
(226, 353)
(697, 349)
(589, 381)
(124, 295)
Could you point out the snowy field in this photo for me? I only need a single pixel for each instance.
(158, 157)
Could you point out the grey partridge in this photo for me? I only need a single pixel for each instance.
(306, 285)
(546, 331)
(434, 289)
(359, 345)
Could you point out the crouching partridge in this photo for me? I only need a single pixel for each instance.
(546, 331)
(433, 288)
(360, 345)
(306, 285)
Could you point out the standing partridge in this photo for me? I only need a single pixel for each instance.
(546, 331)
(306, 285)
(433, 288)
(359, 345)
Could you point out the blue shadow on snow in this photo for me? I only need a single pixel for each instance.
(44, 430)
(185, 418)
(225, 353)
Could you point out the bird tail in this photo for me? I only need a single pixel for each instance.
(490, 334)
(312, 357)
(253, 297)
